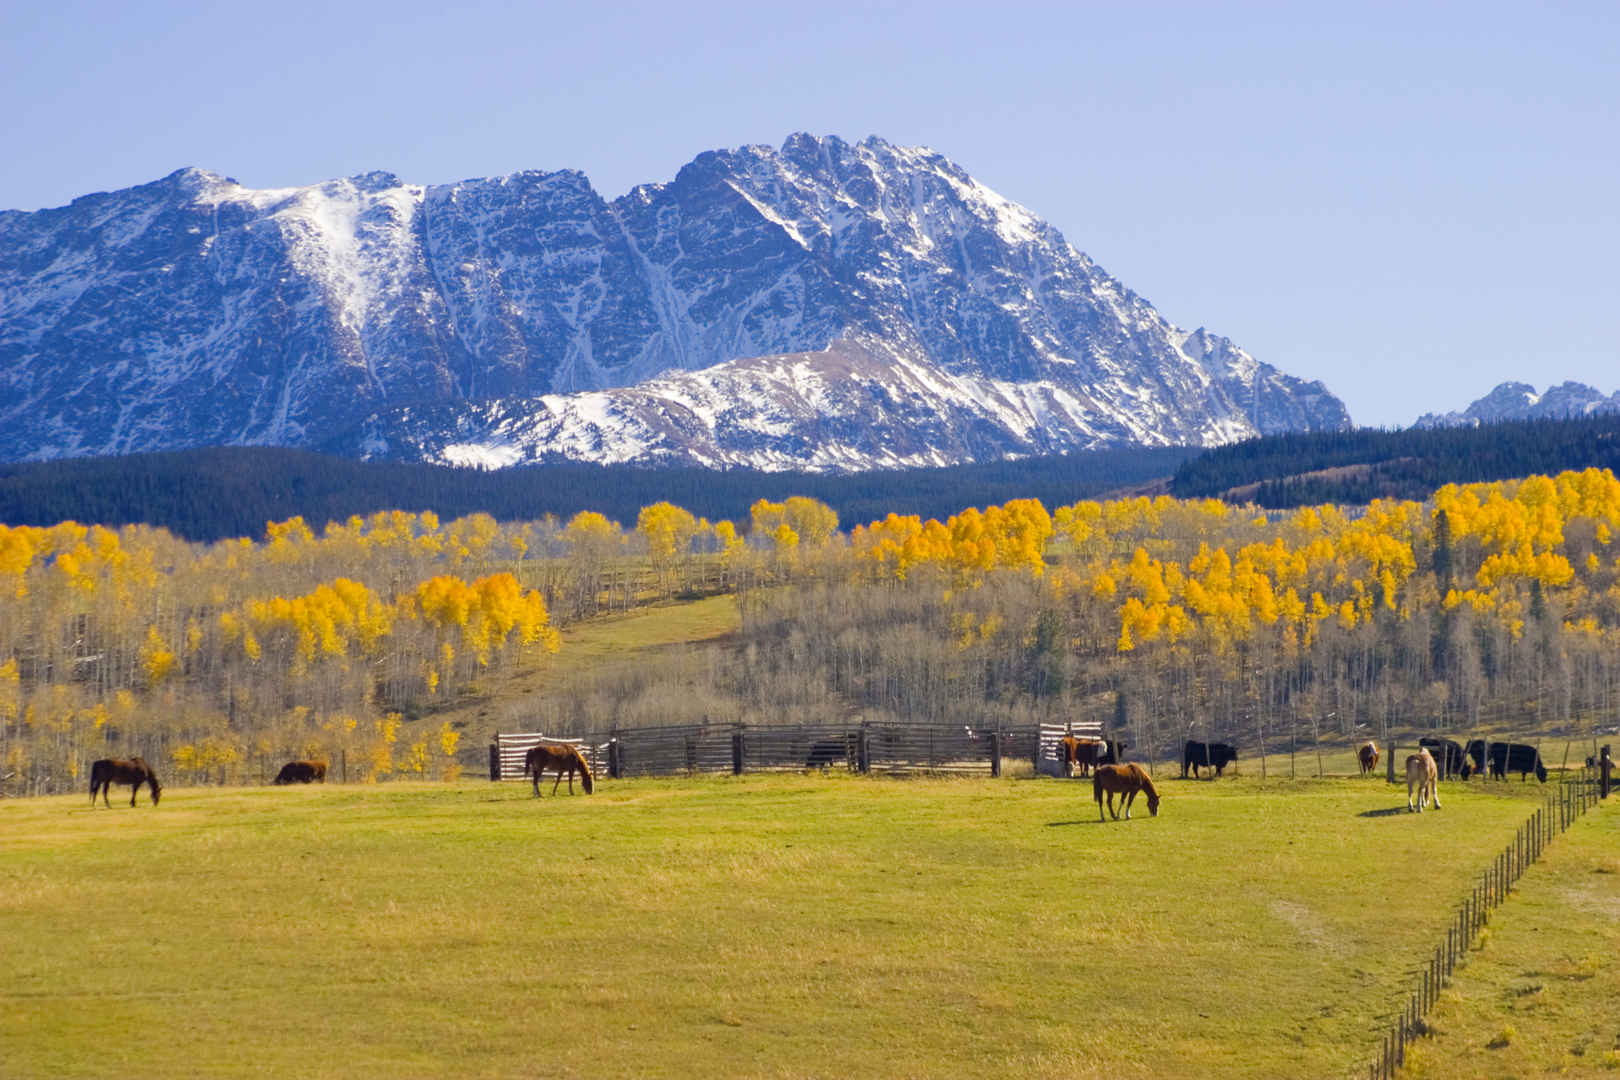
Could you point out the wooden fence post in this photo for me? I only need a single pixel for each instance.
(1390, 765)
(995, 753)
(494, 761)
(863, 749)
(615, 761)
(737, 751)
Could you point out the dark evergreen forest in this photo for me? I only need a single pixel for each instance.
(1404, 464)
(211, 493)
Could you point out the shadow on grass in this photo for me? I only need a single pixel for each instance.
(1389, 811)
(1085, 821)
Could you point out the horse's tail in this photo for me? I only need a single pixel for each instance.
(1096, 786)
(96, 770)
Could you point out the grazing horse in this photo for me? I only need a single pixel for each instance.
(134, 772)
(1124, 781)
(1423, 778)
(565, 758)
(302, 772)
(1367, 755)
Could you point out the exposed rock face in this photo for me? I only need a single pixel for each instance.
(825, 305)
(1519, 401)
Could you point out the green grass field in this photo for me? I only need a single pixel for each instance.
(1541, 995)
(785, 926)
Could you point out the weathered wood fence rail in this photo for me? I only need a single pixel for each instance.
(1574, 794)
(870, 747)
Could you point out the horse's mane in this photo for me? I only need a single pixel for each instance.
(1147, 781)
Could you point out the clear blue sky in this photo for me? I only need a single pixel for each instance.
(1410, 202)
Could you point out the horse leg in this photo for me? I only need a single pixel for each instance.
(535, 776)
(570, 779)
(1434, 793)
(1128, 798)
(1099, 807)
(559, 781)
(1111, 811)
(1408, 794)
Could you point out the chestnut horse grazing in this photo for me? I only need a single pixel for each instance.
(563, 757)
(1367, 755)
(134, 772)
(1423, 778)
(302, 772)
(1124, 781)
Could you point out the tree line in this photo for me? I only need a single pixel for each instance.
(1372, 463)
(213, 493)
(1485, 607)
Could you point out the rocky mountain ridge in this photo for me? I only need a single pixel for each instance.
(824, 305)
(1520, 401)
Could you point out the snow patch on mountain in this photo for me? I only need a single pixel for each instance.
(1520, 401)
(821, 304)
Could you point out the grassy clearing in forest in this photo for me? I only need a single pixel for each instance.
(1541, 995)
(591, 645)
(761, 925)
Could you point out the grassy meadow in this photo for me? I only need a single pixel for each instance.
(785, 926)
(1541, 994)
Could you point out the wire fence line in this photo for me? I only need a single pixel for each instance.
(1575, 793)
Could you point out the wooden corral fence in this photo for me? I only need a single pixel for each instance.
(1576, 792)
(865, 747)
(507, 752)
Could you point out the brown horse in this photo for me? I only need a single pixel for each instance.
(1367, 757)
(1124, 781)
(565, 758)
(1081, 753)
(302, 772)
(134, 772)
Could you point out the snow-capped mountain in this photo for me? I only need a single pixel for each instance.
(825, 305)
(1519, 401)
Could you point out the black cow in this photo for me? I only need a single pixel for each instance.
(1216, 754)
(824, 753)
(302, 772)
(1521, 758)
(1447, 754)
(1113, 752)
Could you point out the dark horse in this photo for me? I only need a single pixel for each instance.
(302, 772)
(563, 757)
(1124, 781)
(134, 772)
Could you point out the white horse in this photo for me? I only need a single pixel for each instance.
(1423, 778)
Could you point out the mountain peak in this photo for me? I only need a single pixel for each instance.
(1520, 401)
(824, 302)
